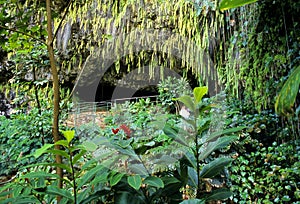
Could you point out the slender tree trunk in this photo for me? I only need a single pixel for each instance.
(55, 127)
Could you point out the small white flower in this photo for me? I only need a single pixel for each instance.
(184, 112)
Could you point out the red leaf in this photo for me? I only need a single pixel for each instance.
(126, 129)
(115, 131)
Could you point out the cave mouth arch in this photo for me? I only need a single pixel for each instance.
(137, 41)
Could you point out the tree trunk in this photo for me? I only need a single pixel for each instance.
(55, 127)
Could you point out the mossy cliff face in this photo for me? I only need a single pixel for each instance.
(237, 43)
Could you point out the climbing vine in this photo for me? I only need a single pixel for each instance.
(262, 50)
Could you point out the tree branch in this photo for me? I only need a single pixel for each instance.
(55, 125)
(21, 32)
(60, 23)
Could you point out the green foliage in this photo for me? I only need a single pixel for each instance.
(287, 95)
(21, 135)
(228, 4)
(262, 158)
(80, 173)
(171, 88)
(28, 128)
(199, 143)
(255, 71)
(267, 174)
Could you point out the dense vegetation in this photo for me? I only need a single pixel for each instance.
(223, 126)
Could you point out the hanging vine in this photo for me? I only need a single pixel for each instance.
(261, 50)
(98, 22)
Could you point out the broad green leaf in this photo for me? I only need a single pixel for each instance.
(154, 181)
(42, 150)
(35, 28)
(214, 135)
(213, 168)
(169, 180)
(191, 158)
(219, 194)
(88, 176)
(221, 142)
(228, 4)
(193, 201)
(129, 151)
(33, 175)
(89, 146)
(165, 159)
(76, 148)
(94, 196)
(124, 143)
(114, 179)
(69, 135)
(78, 156)
(58, 152)
(287, 96)
(102, 178)
(188, 102)
(53, 190)
(139, 168)
(199, 92)
(174, 134)
(62, 142)
(63, 166)
(135, 181)
(22, 200)
(193, 177)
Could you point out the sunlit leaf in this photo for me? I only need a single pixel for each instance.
(221, 142)
(69, 135)
(287, 96)
(214, 135)
(187, 101)
(58, 152)
(199, 92)
(228, 4)
(42, 150)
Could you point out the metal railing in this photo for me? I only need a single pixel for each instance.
(86, 112)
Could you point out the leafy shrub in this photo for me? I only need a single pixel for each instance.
(171, 88)
(29, 128)
(20, 136)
